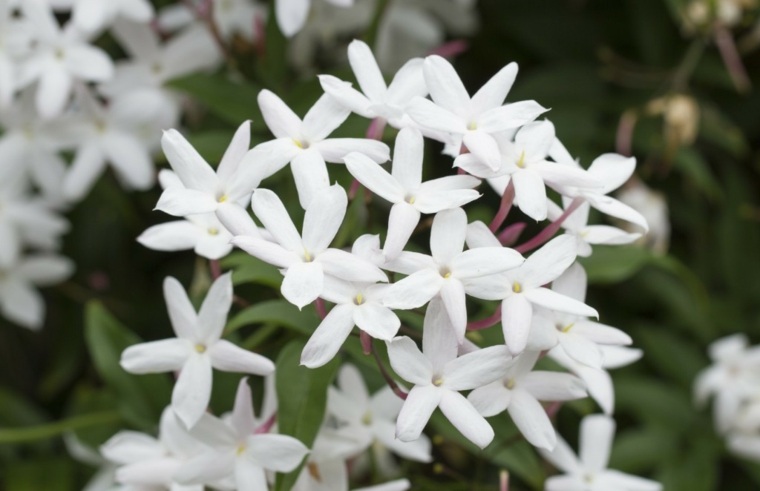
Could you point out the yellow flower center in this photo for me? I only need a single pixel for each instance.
(521, 160)
(213, 231)
(200, 348)
(517, 287)
(359, 299)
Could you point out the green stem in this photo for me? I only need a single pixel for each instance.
(689, 62)
(49, 430)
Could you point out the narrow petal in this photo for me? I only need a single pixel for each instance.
(553, 386)
(612, 479)
(445, 86)
(572, 283)
(348, 96)
(329, 336)
(335, 149)
(280, 453)
(131, 160)
(87, 166)
(172, 236)
(267, 251)
(509, 116)
(280, 119)
(89, 63)
(213, 313)
(614, 208)
(612, 170)
(447, 235)
(181, 312)
(366, 70)
(323, 118)
(241, 141)
(484, 261)
(453, 297)
(181, 202)
(418, 450)
(536, 139)
(466, 418)
(249, 475)
(350, 267)
(236, 220)
(554, 301)
(374, 177)
(429, 115)
(565, 483)
(272, 213)
(439, 340)
(483, 146)
(490, 399)
(192, 169)
(228, 357)
(562, 457)
(161, 356)
(600, 333)
(408, 82)
(493, 93)
(530, 193)
(192, 391)
(581, 349)
(477, 368)
(402, 221)
(407, 158)
(303, 283)
(414, 291)
(22, 304)
(416, 411)
(547, 263)
(53, 91)
(516, 315)
(408, 361)
(377, 321)
(323, 218)
(597, 432)
(531, 419)
(243, 417)
(479, 235)
(310, 174)
(291, 15)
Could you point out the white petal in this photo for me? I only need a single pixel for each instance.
(348, 96)
(348, 266)
(597, 432)
(374, 177)
(572, 283)
(414, 291)
(243, 417)
(447, 235)
(439, 340)
(531, 419)
(192, 169)
(181, 311)
(612, 479)
(407, 158)
(483, 146)
(429, 115)
(85, 169)
(612, 170)
(267, 251)
(453, 297)
(509, 116)
(366, 70)
(377, 321)
(466, 418)
(249, 475)
(516, 315)
(280, 119)
(477, 368)
(279, 453)
(416, 411)
(303, 283)
(192, 391)
(479, 235)
(323, 118)
(213, 313)
(53, 91)
(323, 218)
(402, 221)
(493, 93)
(565, 483)
(273, 215)
(445, 86)
(235, 152)
(43, 270)
(490, 399)
(417, 450)
(156, 356)
(310, 174)
(554, 301)
(547, 263)
(291, 15)
(229, 357)
(553, 386)
(89, 63)
(335, 149)
(22, 304)
(329, 336)
(484, 261)
(530, 193)
(131, 160)
(614, 208)
(172, 236)
(408, 362)
(581, 349)
(181, 202)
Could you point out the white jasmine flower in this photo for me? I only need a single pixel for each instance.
(306, 258)
(239, 17)
(237, 448)
(405, 189)
(376, 99)
(15, 41)
(196, 349)
(146, 462)
(519, 391)
(371, 420)
(522, 287)
(107, 135)
(20, 302)
(203, 190)
(470, 121)
(438, 375)
(60, 58)
(524, 163)
(304, 144)
(580, 338)
(589, 472)
(95, 15)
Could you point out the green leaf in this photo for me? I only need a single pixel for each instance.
(41, 474)
(141, 397)
(697, 170)
(279, 312)
(613, 264)
(27, 434)
(302, 395)
(232, 101)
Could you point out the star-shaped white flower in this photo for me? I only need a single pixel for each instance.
(470, 121)
(404, 188)
(589, 472)
(519, 391)
(307, 258)
(447, 270)
(376, 99)
(239, 448)
(304, 144)
(439, 375)
(196, 349)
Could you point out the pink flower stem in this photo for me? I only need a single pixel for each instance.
(624, 136)
(451, 48)
(504, 481)
(489, 321)
(388, 379)
(376, 129)
(553, 408)
(510, 234)
(267, 425)
(550, 230)
(319, 306)
(216, 268)
(731, 58)
(366, 341)
(506, 204)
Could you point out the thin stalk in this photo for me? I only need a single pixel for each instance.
(387, 376)
(506, 204)
(50, 430)
(547, 233)
(489, 321)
